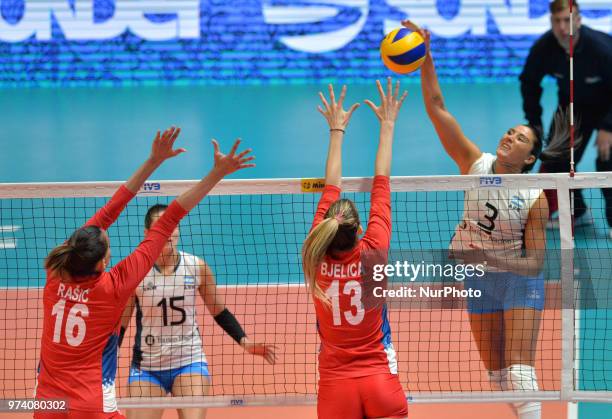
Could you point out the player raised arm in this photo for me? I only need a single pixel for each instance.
(390, 104)
(378, 234)
(130, 271)
(463, 151)
(338, 120)
(161, 150)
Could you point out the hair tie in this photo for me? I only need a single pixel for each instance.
(339, 218)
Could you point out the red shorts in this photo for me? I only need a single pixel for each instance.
(374, 396)
(75, 414)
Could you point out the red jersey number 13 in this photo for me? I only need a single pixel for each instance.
(353, 289)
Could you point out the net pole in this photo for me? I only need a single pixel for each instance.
(568, 335)
(572, 411)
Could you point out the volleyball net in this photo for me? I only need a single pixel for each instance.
(250, 233)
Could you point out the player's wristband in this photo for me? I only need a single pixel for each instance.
(121, 335)
(228, 322)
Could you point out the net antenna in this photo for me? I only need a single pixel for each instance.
(571, 64)
(571, 81)
(572, 411)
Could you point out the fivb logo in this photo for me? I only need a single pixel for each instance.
(151, 187)
(79, 20)
(490, 181)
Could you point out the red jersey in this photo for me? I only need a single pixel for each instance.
(355, 339)
(78, 359)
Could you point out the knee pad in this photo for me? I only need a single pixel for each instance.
(523, 378)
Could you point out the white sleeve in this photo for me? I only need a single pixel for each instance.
(483, 165)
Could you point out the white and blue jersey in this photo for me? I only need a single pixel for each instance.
(167, 334)
(494, 220)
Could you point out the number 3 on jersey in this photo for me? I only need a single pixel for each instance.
(352, 288)
(491, 216)
(75, 324)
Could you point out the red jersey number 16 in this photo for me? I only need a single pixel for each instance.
(75, 324)
(353, 289)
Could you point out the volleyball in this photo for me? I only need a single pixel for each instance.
(403, 51)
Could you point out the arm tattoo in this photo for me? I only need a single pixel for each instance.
(437, 99)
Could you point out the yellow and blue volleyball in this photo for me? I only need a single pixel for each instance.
(403, 51)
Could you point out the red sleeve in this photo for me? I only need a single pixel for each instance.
(109, 213)
(330, 195)
(378, 234)
(130, 271)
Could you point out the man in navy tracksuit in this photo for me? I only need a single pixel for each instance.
(592, 93)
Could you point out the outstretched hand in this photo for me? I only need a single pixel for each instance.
(425, 34)
(162, 145)
(226, 164)
(336, 116)
(390, 103)
(161, 150)
(268, 352)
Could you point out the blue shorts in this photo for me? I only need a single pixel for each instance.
(165, 378)
(503, 291)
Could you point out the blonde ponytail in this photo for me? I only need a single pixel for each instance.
(314, 250)
(337, 232)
